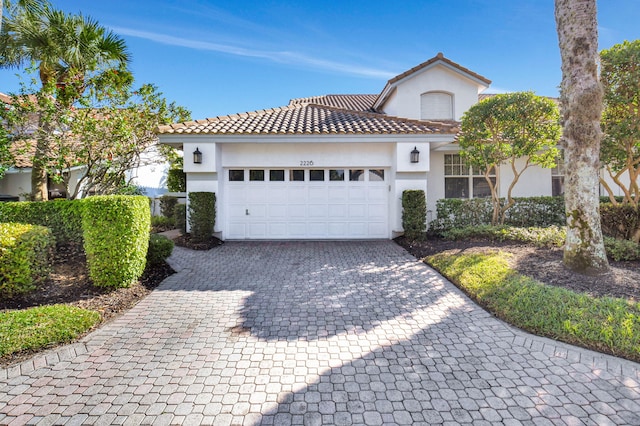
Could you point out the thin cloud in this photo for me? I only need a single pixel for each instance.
(275, 56)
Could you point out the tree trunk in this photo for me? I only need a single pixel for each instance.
(581, 98)
(39, 187)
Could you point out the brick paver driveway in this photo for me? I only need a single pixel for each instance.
(315, 333)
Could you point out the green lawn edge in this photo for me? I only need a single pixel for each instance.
(43, 326)
(605, 324)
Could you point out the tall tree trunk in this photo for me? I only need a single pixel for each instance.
(581, 98)
(39, 187)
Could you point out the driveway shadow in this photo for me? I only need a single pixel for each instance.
(314, 290)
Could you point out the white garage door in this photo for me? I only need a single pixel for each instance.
(306, 203)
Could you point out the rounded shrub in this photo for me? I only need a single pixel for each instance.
(25, 253)
(160, 247)
(116, 238)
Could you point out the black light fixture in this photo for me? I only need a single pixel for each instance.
(415, 155)
(197, 157)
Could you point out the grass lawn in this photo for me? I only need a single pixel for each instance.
(37, 328)
(604, 324)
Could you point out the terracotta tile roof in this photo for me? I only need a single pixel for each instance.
(439, 57)
(349, 102)
(308, 119)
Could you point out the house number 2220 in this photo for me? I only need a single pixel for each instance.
(306, 163)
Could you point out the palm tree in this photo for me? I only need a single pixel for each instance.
(14, 8)
(70, 52)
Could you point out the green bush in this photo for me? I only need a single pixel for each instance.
(167, 205)
(414, 214)
(25, 253)
(551, 236)
(161, 223)
(116, 238)
(180, 217)
(176, 180)
(202, 215)
(160, 247)
(63, 217)
(621, 221)
(525, 213)
(621, 249)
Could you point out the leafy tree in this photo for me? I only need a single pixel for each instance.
(519, 129)
(71, 52)
(581, 97)
(106, 134)
(620, 147)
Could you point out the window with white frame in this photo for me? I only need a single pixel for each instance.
(436, 106)
(461, 181)
(557, 176)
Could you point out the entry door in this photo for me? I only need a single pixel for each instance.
(333, 203)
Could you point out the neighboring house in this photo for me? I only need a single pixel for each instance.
(150, 175)
(335, 166)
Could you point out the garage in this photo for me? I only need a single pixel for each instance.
(306, 203)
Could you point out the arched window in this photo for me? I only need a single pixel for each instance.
(436, 106)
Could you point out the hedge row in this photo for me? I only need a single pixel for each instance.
(526, 212)
(62, 217)
(114, 229)
(25, 253)
(622, 221)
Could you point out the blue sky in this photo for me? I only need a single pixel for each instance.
(224, 57)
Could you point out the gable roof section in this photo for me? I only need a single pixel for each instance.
(308, 119)
(363, 103)
(439, 58)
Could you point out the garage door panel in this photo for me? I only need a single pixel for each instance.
(277, 229)
(357, 211)
(317, 229)
(297, 211)
(297, 230)
(278, 195)
(277, 211)
(378, 194)
(306, 209)
(337, 211)
(337, 229)
(317, 211)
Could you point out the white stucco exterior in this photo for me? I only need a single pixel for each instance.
(289, 172)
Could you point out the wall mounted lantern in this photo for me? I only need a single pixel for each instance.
(197, 157)
(415, 155)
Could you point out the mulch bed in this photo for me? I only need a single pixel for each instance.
(542, 264)
(186, 241)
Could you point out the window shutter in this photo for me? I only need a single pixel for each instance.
(436, 106)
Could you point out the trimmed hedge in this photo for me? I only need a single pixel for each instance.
(180, 217)
(25, 253)
(160, 247)
(414, 214)
(116, 238)
(622, 221)
(526, 212)
(176, 180)
(63, 217)
(202, 215)
(167, 205)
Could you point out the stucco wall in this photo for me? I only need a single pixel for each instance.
(406, 100)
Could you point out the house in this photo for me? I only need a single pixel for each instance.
(335, 166)
(150, 174)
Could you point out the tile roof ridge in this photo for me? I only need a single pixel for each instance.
(372, 114)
